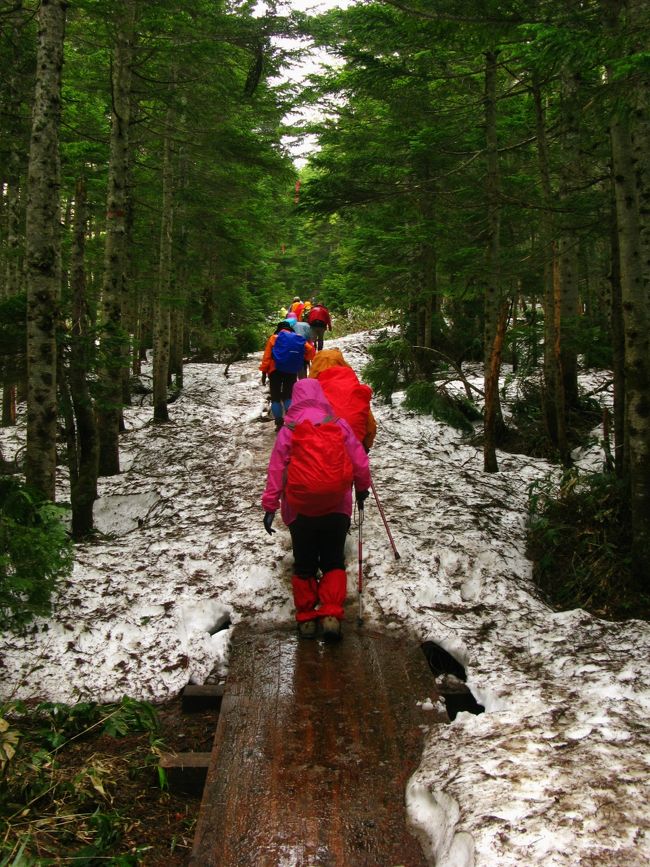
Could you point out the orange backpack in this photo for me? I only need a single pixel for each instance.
(320, 470)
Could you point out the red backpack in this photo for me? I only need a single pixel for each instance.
(349, 398)
(320, 470)
(318, 315)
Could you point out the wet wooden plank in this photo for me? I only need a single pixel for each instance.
(314, 746)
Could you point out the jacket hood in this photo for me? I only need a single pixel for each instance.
(325, 359)
(307, 394)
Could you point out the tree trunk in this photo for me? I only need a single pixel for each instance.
(493, 340)
(634, 298)
(112, 341)
(83, 490)
(429, 258)
(43, 244)
(12, 247)
(618, 350)
(161, 304)
(12, 266)
(569, 313)
(129, 303)
(636, 310)
(568, 246)
(176, 354)
(560, 406)
(8, 405)
(552, 380)
(205, 336)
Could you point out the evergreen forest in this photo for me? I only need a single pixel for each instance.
(481, 185)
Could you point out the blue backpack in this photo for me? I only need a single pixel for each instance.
(288, 352)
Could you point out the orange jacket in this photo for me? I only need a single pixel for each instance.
(267, 364)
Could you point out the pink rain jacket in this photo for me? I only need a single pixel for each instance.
(308, 401)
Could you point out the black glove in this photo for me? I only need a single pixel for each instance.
(362, 496)
(268, 520)
(263, 379)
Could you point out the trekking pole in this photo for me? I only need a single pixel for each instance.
(360, 616)
(383, 517)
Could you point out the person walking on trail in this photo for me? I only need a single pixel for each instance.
(297, 306)
(349, 398)
(304, 330)
(319, 319)
(315, 460)
(284, 356)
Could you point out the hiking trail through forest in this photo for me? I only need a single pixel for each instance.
(556, 770)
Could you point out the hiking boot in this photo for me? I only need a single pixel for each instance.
(331, 629)
(307, 629)
(278, 423)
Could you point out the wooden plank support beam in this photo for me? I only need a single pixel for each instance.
(186, 772)
(205, 697)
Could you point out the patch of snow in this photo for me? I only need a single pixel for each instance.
(117, 515)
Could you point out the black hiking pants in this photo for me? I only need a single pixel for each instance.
(317, 335)
(318, 543)
(281, 385)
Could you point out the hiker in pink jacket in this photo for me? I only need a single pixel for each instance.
(318, 533)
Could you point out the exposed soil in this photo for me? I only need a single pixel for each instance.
(161, 820)
(152, 826)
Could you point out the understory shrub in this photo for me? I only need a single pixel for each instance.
(35, 553)
(391, 365)
(357, 319)
(232, 344)
(452, 409)
(580, 543)
(527, 431)
(57, 795)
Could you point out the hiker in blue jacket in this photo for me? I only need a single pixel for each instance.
(304, 329)
(282, 374)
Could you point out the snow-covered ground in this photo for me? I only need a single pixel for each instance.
(555, 772)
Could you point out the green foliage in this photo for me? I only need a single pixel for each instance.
(392, 364)
(524, 342)
(527, 432)
(232, 344)
(52, 803)
(594, 346)
(35, 553)
(579, 539)
(452, 409)
(61, 722)
(460, 331)
(357, 319)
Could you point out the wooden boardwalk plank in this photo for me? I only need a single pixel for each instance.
(313, 749)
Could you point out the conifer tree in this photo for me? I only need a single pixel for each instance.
(43, 264)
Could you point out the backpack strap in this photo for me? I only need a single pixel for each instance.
(292, 424)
